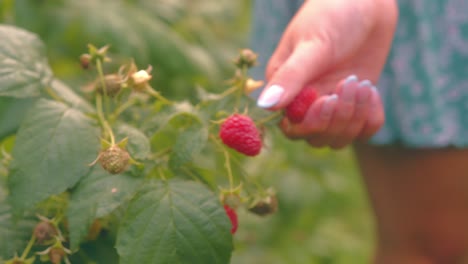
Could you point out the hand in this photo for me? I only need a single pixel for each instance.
(324, 43)
(355, 111)
(327, 41)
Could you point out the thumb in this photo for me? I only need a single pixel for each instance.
(308, 60)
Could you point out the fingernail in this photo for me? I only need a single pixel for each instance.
(365, 83)
(375, 89)
(328, 106)
(270, 97)
(351, 78)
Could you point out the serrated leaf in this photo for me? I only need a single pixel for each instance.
(138, 144)
(175, 222)
(14, 235)
(53, 148)
(175, 114)
(96, 196)
(12, 111)
(70, 97)
(24, 69)
(189, 143)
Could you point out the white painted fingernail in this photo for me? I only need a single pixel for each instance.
(270, 96)
(328, 106)
(351, 78)
(365, 83)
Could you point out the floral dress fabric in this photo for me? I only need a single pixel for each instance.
(424, 85)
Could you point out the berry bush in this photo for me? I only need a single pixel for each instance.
(313, 198)
(124, 162)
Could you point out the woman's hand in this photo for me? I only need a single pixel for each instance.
(326, 42)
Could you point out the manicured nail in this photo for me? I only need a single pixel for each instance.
(375, 89)
(328, 106)
(365, 83)
(270, 96)
(351, 78)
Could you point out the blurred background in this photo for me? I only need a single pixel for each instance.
(323, 216)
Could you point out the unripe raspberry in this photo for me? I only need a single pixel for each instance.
(265, 206)
(56, 255)
(44, 231)
(113, 84)
(114, 159)
(85, 61)
(240, 133)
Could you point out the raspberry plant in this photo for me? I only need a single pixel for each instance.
(121, 165)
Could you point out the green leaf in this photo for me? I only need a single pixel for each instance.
(189, 144)
(53, 148)
(14, 235)
(24, 69)
(70, 97)
(12, 112)
(175, 222)
(138, 144)
(97, 195)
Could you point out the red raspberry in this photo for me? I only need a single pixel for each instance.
(297, 109)
(233, 217)
(240, 133)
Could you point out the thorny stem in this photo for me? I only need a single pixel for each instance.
(28, 247)
(105, 125)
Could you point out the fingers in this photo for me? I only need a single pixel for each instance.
(355, 112)
(316, 121)
(347, 130)
(307, 61)
(376, 118)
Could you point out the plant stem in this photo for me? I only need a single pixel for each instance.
(227, 162)
(241, 86)
(157, 95)
(103, 83)
(269, 118)
(105, 125)
(228, 168)
(121, 109)
(28, 247)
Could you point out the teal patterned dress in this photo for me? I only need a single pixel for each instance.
(424, 85)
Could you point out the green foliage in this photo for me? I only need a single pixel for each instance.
(96, 196)
(24, 69)
(53, 140)
(181, 220)
(164, 207)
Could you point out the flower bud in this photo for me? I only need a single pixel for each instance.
(247, 58)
